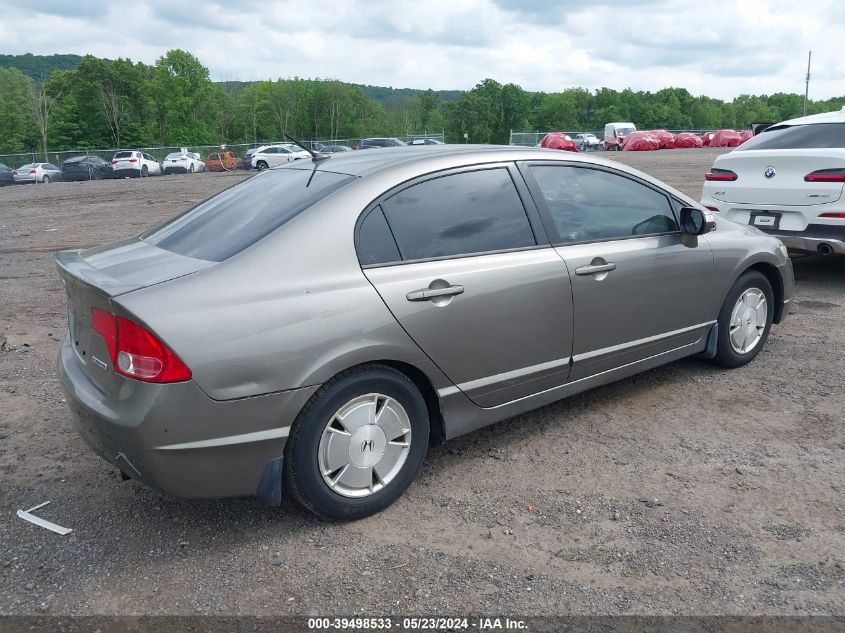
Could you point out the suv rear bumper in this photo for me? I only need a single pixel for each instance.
(175, 438)
(816, 238)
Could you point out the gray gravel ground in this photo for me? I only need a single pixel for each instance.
(684, 490)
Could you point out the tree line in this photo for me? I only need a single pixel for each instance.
(120, 103)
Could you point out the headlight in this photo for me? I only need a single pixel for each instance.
(783, 250)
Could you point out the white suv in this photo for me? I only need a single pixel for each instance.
(133, 163)
(274, 155)
(787, 181)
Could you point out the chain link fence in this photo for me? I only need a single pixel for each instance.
(15, 160)
(532, 139)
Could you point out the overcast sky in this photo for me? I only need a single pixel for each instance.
(720, 48)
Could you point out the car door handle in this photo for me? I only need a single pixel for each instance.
(425, 294)
(595, 268)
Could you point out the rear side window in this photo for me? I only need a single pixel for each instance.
(589, 205)
(815, 135)
(459, 214)
(238, 217)
(375, 241)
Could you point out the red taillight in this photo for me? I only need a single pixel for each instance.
(712, 209)
(720, 175)
(31, 171)
(826, 175)
(114, 162)
(132, 160)
(136, 352)
(833, 214)
(14, 172)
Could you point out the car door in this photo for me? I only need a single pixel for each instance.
(473, 280)
(638, 289)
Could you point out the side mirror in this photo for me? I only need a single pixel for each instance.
(696, 222)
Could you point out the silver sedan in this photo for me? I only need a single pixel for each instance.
(322, 323)
(37, 172)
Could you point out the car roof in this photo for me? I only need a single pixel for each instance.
(430, 158)
(837, 116)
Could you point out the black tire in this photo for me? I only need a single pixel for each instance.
(46, 179)
(302, 471)
(261, 166)
(726, 355)
(191, 168)
(144, 171)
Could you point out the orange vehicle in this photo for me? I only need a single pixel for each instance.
(223, 161)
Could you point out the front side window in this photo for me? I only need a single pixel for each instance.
(459, 214)
(588, 204)
(238, 217)
(815, 135)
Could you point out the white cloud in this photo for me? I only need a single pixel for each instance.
(720, 48)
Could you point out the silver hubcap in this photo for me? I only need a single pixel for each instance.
(748, 320)
(364, 445)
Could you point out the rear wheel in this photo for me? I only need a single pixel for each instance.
(744, 320)
(357, 444)
(45, 179)
(191, 168)
(144, 172)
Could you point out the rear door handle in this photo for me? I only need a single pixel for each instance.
(431, 293)
(595, 268)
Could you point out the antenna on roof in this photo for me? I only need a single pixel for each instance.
(807, 84)
(314, 155)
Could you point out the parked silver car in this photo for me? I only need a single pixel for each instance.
(37, 172)
(322, 322)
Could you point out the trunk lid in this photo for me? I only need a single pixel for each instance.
(786, 186)
(92, 278)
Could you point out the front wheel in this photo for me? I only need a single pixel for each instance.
(744, 320)
(261, 165)
(357, 444)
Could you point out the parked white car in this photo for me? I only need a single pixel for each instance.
(183, 163)
(134, 164)
(274, 155)
(587, 142)
(787, 181)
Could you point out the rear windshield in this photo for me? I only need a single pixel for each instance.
(238, 217)
(124, 155)
(814, 135)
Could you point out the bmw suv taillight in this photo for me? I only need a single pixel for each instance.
(136, 352)
(720, 175)
(826, 175)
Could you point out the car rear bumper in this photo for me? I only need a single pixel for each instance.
(123, 173)
(825, 239)
(175, 438)
(175, 169)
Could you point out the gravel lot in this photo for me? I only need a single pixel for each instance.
(540, 514)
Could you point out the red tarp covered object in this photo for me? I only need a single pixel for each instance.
(745, 135)
(558, 140)
(640, 142)
(725, 138)
(707, 138)
(667, 139)
(688, 139)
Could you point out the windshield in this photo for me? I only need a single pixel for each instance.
(624, 131)
(814, 135)
(238, 217)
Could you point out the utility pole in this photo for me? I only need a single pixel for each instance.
(807, 84)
